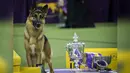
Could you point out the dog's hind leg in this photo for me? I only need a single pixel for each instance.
(43, 67)
(48, 54)
(50, 65)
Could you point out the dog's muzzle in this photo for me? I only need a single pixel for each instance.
(37, 24)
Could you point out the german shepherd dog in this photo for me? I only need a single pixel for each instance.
(38, 50)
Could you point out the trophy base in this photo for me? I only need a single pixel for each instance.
(77, 71)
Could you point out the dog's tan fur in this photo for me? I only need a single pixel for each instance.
(38, 51)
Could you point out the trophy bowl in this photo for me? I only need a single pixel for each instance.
(102, 62)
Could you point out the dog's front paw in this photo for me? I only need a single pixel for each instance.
(48, 72)
(43, 71)
(51, 71)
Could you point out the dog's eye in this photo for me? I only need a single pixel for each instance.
(41, 16)
(35, 16)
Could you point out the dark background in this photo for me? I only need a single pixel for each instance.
(91, 10)
(95, 11)
(6, 8)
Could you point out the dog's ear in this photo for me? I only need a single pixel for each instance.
(34, 5)
(45, 9)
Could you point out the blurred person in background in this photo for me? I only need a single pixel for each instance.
(62, 9)
(78, 13)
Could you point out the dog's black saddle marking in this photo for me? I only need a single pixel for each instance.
(45, 39)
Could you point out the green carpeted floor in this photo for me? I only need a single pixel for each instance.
(104, 35)
(5, 43)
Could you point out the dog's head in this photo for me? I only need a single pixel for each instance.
(37, 15)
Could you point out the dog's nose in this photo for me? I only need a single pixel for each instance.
(38, 24)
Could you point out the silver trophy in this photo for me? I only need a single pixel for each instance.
(75, 50)
(102, 62)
